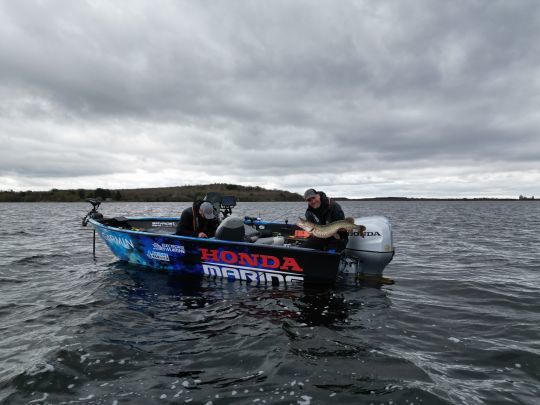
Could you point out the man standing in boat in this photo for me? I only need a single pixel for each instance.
(322, 211)
(198, 221)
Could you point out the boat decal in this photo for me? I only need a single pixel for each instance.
(160, 224)
(228, 257)
(117, 240)
(249, 274)
(164, 257)
(167, 247)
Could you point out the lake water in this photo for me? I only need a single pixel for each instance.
(461, 324)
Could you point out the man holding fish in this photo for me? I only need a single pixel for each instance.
(326, 222)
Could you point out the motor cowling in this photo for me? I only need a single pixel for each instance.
(376, 249)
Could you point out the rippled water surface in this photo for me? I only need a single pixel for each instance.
(461, 325)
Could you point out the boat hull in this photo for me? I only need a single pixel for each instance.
(251, 263)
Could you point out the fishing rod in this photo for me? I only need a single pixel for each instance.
(279, 217)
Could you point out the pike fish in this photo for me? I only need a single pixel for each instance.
(331, 229)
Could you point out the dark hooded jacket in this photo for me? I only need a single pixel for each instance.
(191, 223)
(329, 211)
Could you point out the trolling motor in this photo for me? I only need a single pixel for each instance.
(93, 213)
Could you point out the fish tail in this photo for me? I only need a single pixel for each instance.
(362, 230)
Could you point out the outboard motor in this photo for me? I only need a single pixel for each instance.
(374, 251)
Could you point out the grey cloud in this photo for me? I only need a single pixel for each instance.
(278, 91)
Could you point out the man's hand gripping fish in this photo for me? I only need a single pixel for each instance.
(327, 231)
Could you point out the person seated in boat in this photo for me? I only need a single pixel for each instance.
(198, 221)
(322, 210)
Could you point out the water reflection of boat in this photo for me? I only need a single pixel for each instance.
(170, 293)
(249, 249)
(166, 295)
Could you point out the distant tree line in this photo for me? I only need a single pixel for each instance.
(192, 193)
(162, 194)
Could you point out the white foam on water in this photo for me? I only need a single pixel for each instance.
(45, 395)
(86, 398)
(305, 400)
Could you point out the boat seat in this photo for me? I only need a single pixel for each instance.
(231, 229)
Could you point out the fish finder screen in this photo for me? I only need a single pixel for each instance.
(228, 201)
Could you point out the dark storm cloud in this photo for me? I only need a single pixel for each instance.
(274, 93)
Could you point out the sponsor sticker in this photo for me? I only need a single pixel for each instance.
(232, 258)
(167, 247)
(117, 240)
(250, 275)
(164, 257)
(159, 224)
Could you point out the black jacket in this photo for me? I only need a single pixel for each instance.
(329, 211)
(192, 225)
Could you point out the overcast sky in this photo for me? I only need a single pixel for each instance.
(356, 98)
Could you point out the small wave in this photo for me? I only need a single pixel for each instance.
(18, 232)
(39, 259)
(12, 280)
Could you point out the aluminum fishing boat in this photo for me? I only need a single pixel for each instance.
(248, 249)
